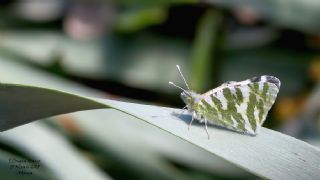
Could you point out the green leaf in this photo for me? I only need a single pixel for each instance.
(137, 18)
(270, 155)
(205, 49)
(44, 144)
(109, 136)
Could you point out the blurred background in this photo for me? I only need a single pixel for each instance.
(127, 50)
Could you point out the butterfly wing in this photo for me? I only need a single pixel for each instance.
(241, 106)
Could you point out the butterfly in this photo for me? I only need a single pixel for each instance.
(238, 106)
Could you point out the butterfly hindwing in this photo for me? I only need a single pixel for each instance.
(242, 106)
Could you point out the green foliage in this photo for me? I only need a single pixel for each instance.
(132, 54)
(205, 50)
(254, 154)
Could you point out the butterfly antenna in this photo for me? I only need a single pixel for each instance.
(178, 67)
(179, 87)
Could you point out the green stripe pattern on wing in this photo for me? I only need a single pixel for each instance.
(258, 102)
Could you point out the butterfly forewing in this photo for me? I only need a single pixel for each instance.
(241, 106)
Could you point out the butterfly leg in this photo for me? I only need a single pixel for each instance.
(193, 116)
(205, 122)
(182, 111)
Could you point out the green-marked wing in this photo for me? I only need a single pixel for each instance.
(242, 107)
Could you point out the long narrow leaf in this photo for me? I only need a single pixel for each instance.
(269, 155)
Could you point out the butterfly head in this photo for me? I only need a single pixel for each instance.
(188, 97)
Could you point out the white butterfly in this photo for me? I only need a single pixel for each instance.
(239, 106)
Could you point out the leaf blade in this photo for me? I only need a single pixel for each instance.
(270, 154)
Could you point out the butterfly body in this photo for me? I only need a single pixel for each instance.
(239, 106)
